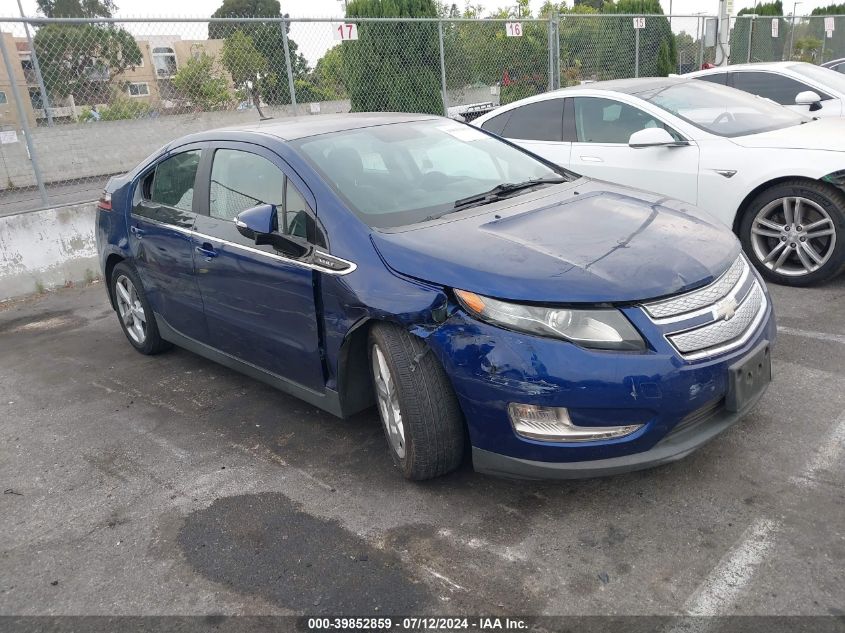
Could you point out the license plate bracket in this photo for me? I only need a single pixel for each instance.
(748, 377)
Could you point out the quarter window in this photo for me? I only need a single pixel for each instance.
(241, 180)
(778, 88)
(173, 181)
(715, 78)
(607, 121)
(540, 121)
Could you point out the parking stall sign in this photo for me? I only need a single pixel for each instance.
(345, 32)
(639, 23)
(775, 27)
(513, 29)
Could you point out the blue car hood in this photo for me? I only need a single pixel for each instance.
(582, 242)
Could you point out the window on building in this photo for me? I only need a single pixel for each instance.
(164, 60)
(35, 98)
(3, 100)
(139, 89)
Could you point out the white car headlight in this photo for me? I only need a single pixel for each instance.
(603, 328)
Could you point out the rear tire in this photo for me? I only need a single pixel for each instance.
(134, 311)
(794, 232)
(418, 408)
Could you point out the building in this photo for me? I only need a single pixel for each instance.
(150, 82)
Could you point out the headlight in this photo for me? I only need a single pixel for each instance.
(597, 329)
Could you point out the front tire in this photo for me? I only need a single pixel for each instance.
(417, 406)
(794, 232)
(134, 311)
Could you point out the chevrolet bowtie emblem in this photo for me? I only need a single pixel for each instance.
(725, 309)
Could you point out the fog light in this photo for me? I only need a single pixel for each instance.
(552, 424)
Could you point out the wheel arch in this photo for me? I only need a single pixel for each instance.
(111, 261)
(746, 202)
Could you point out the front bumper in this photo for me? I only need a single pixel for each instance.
(674, 446)
(490, 367)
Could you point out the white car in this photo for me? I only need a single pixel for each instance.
(776, 177)
(805, 88)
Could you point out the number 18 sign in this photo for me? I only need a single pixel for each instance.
(345, 32)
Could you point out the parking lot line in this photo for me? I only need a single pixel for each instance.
(820, 336)
(734, 571)
(827, 453)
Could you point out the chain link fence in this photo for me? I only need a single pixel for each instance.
(81, 100)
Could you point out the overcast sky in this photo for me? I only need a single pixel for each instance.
(314, 39)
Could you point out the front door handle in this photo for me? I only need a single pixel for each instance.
(207, 251)
(592, 159)
(137, 231)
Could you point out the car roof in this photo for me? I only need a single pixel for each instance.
(627, 86)
(751, 66)
(292, 128)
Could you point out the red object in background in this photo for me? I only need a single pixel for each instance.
(707, 65)
(506, 79)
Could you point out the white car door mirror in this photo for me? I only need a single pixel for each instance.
(652, 137)
(809, 98)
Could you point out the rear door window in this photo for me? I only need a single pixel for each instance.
(540, 121)
(497, 123)
(172, 182)
(715, 78)
(778, 88)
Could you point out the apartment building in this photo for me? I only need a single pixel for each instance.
(150, 82)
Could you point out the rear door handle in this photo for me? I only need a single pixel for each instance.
(592, 159)
(137, 232)
(207, 251)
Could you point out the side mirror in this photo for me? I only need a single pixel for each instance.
(809, 98)
(256, 221)
(653, 137)
(259, 224)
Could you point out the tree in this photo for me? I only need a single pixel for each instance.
(83, 59)
(266, 39)
(330, 73)
(393, 67)
(202, 83)
(247, 66)
(658, 54)
(77, 8)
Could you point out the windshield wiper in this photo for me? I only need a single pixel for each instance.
(499, 192)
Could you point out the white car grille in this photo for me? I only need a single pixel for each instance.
(715, 319)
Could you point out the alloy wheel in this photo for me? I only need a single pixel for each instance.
(793, 236)
(131, 310)
(387, 396)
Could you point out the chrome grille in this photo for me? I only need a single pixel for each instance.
(721, 331)
(715, 319)
(702, 297)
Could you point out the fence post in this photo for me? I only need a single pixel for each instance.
(750, 35)
(442, 69)
(551, 56)
(636, 52)
(557, 50)
(824, 40)
(703, 26)
(291, 86)
(45, 102)
(24, 121)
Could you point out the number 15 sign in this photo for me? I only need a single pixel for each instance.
(345, 31)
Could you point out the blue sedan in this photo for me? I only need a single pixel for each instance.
(477, 294)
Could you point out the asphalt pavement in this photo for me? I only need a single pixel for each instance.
(171, 485)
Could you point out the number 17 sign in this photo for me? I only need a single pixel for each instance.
(345, 32)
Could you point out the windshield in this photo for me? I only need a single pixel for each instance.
(404, 173)
(721, 110)
(828, 78)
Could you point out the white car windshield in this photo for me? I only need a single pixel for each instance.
(828, 78)
(721, 110)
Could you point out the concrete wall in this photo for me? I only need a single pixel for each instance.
(47, 249)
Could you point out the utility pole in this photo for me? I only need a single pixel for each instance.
(792, 30)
